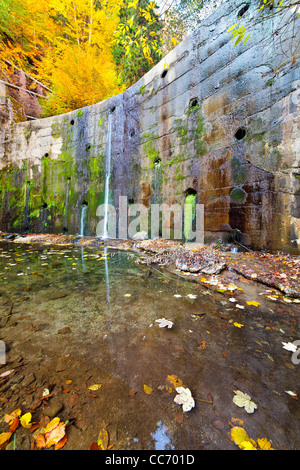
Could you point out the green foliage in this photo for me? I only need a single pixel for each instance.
(137, 44)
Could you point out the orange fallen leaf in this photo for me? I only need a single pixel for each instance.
(40, 441)
(61, 443)
(14, 425)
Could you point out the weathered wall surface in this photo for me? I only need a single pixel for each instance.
(220, 121)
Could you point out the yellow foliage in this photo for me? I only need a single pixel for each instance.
(25, 420)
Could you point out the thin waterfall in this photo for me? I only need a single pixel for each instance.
(107, 173)
(82, 219)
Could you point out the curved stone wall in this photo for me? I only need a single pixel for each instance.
(218, 120)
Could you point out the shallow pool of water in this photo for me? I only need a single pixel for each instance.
(89, 316)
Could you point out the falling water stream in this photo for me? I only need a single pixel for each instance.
(82, 219)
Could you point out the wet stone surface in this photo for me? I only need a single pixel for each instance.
(75, 317)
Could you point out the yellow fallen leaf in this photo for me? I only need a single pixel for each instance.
(252, 302)
(264, 444)
(52, 424)
(148, 390)
(103, 439)
(4, 437)
(240, 437)
(25, 420)
(68, 382)
(247, 445)
(127, 295)
(95, 387)
(238, 325)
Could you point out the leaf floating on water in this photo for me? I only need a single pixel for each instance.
(95, 387)
(103, 439)
(184, 398)
(174, 381)
(264, 444)
(192, 296)
(292, 394)
(148, 390)
(163, 322)
(244, 401)
(289, 346)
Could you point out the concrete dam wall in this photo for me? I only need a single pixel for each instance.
(220, 122)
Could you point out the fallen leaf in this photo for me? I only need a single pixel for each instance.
(289, 346)
(238, 325)
(163, 322)
(95, 387)
(184, 398)
(5, 374)
(9, 418)
(14, 425)
(26, 420)
(52, 424)
(103, 439)
(244, 401)
(61, 443)
(264, 444)
(148, 390)
(4, 437)
(174, 381)
(127, 295)
(55, 435)
(252, 302)
(40, 441)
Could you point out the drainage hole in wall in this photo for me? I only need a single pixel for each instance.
(240, 133)
(112, 109)
(88, 146)
(243, 10)
(130, 200)
(44, 205)
(164, 73)
(84, 203)
(46, 155)
(132, 132)
(69, 178)
(193, 102)
(72, 122)
(65, 229)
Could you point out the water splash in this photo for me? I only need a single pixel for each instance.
(107, 173)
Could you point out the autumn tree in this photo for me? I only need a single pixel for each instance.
(79, 64)
(137, 44)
